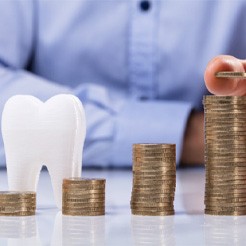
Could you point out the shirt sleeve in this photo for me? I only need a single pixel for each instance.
(115, 122)
(149, 122)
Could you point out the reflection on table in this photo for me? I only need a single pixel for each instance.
(19, 231)
(78, 230)
(225, 230)
(150, 230)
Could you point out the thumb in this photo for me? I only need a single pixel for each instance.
(225, 86)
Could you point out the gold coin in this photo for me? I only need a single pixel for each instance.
(153, 171)
(235, 135)
(154, 174)
(153, 191)
(224, 143)
(225, 204)
(229, 75)
(224, 192)
(147, 213)
(151, 204)
(224, 195)
(15, 194)
(232, 186)
(210, 134)
(151, 212)
(153, 155)
(163, 170)
(220, 208)
(82, 187)
(152, 187)
(155, 165)
(85, 184)
(226, 168)
(158, 154)
(84, 200)
(82, 212)
(226, 147)
(227, 195)
(238, 108)
(216, 99)
(231, 213)
(81, 191)
(14, 204)
(226, 172)
(213, 126)
(158, 200)
(221, 160)
(153, 182)
(221, 165)
(83, 204)
(225, 160)
(155, 146)
(152, 195)
(84, 209)
(226, 183)
(71, 213)
(168, 162)
(25, 213)
(228, 176)
(13, 211)
(18, 198)
(216, 112)
(152, 152)
(152, 209)
(76, 180)
(154, 178)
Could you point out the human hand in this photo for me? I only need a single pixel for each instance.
(225, 87)
(193, 144)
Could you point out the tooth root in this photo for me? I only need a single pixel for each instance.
(58, 174)
(36, 134)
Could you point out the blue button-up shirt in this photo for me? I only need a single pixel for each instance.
(138, 71)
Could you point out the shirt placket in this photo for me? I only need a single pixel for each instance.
(143, 48)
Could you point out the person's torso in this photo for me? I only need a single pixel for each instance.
(158, 53)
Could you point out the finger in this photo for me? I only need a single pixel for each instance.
(244, 64)
(224, 86)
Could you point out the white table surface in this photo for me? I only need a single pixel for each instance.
(118, 227)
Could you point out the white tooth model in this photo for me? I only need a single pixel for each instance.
(37, 133)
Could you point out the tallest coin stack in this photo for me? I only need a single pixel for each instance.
(225, 155)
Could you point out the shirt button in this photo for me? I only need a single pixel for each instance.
(145, 5)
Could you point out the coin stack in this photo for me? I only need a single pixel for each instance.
(154, 179)
(83, 197)
(17, 203)
(225, 155)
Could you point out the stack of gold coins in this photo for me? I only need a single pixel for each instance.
(14, 203)
(225, 155)
(154, 179)
(83, 197)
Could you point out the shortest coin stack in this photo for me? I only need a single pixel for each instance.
(154, 179)
(14, 203)
(83, 197)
